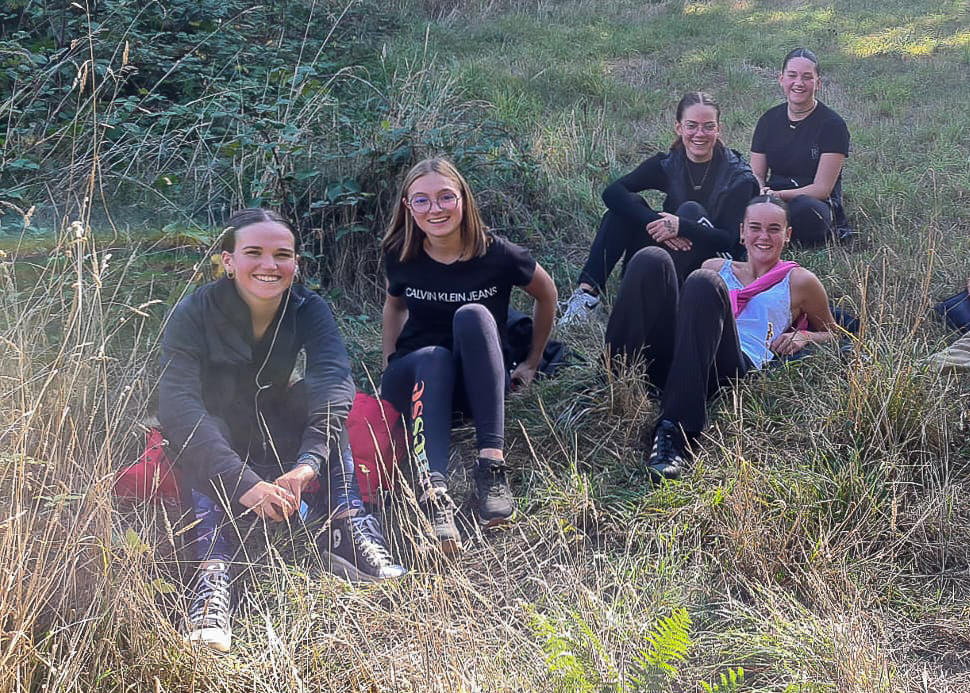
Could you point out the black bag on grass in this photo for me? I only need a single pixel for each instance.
(519, 331)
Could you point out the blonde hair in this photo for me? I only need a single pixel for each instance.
(404, 237)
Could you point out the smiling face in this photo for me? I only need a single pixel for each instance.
(263, 261)
(435, 204)
(799, 82)
(698, 130)
(765, 232)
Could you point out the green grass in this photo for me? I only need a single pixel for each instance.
(820, 540)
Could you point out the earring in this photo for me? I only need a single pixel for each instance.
(230, 274)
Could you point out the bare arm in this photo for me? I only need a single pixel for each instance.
(829, 168)
(543, 290)
(759, 167)
(809, 299)
(393, 317)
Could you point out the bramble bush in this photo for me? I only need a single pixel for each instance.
(176, 113)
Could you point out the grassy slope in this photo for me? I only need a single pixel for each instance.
(821, 539)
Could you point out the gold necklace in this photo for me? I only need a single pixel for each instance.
(698, 186)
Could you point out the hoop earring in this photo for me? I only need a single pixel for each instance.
(230, 274)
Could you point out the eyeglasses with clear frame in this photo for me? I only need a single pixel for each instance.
(446, 201)
(690, 127)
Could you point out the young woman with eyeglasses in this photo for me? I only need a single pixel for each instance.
(798, 150)
(444, 340)
(707, 186)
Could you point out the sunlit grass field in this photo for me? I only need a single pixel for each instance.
(820, 541)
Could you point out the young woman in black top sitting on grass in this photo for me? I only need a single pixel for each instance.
(444, 338)
(707, 187)
(798, 150)
(249, 442)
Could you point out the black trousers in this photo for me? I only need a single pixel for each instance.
(617, 237)
(686, 336)
(811, 221)
(433, 382)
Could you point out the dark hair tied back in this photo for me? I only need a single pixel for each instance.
(771, 200)
(695, 98)
(801, 53)
(254, 215)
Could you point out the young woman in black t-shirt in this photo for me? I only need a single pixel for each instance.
(798, 150)
(707, 187)
(444, 339)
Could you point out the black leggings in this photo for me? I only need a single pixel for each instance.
(431, 383)
(617, 237)
(687, 334)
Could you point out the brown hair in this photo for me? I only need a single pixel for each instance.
(801, 53)
(695, 98)
(404, 238)
(771, 200)
(254, 215)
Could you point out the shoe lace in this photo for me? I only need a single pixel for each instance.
(496, 484)
(665, 446)
(366, 535)
(443, 508)
(211, 604)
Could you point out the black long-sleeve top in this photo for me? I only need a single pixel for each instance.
(725, 193)
(217, 378)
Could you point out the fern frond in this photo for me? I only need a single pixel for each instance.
(667, 645)
(730, 682)
(569, 657)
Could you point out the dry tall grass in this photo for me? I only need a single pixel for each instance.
(821, 539)
(819, 508)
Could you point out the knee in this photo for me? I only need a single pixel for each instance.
(704, 285)
(473, 318)
(694, 211)
(436, 357)
(434, 369)
(806, 209)
(650, 261)
(612, 224)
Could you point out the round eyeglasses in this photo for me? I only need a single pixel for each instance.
(422, 203)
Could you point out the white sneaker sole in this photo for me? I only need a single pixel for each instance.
(344, 569)
(214, 638)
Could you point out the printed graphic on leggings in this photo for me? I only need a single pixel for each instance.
(418, 441)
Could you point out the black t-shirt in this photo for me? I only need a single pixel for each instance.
(793, 149)
(434, 291)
